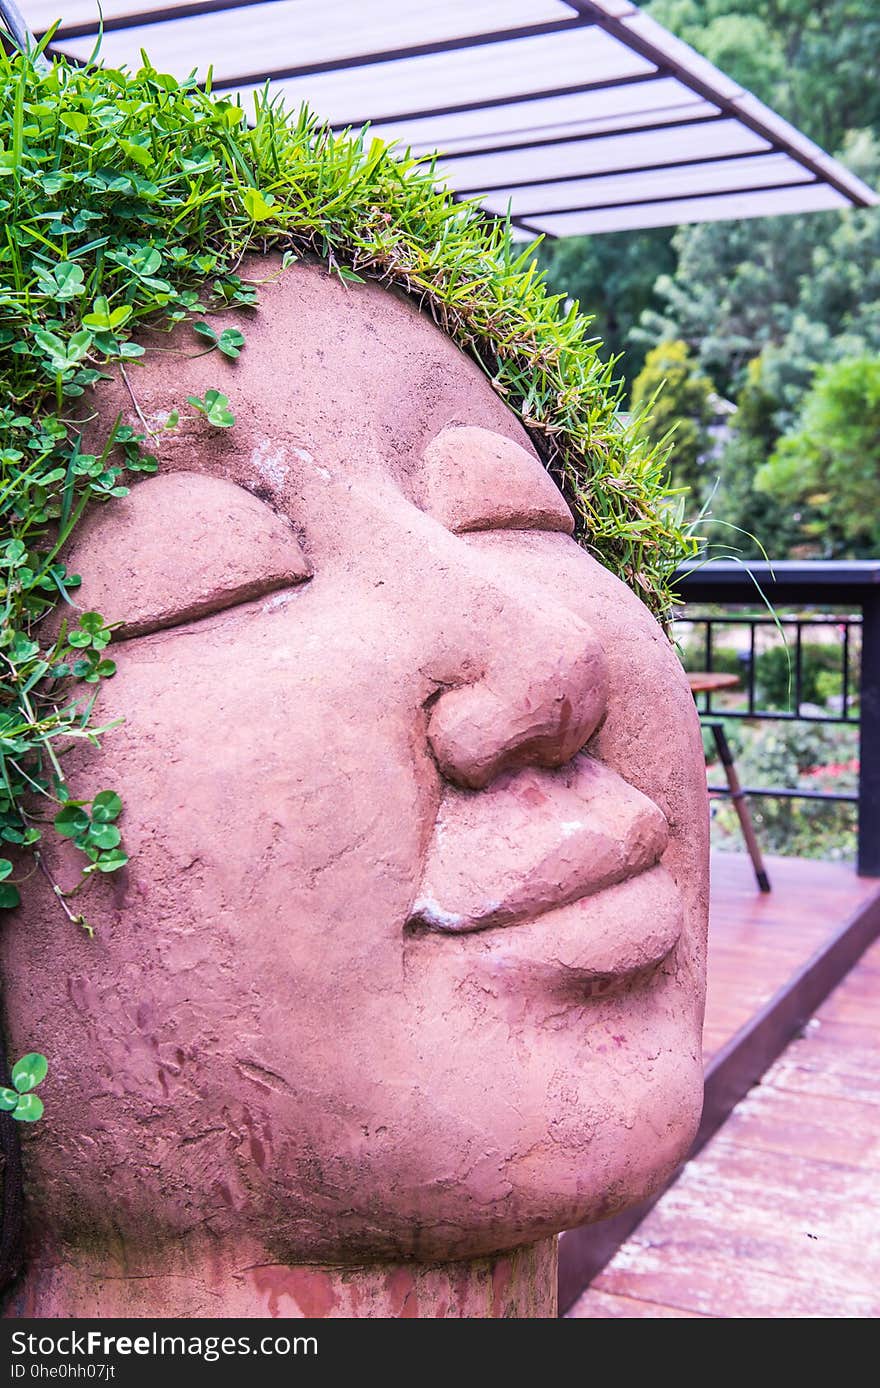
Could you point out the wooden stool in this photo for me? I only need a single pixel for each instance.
(704, 682)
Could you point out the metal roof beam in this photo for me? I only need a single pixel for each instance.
(624, 33)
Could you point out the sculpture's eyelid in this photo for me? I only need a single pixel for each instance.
(518, 506)
(210, 603)
(518, 519)
(182, 546)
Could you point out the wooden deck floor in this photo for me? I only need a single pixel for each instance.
(779, 1215)
(756, 942)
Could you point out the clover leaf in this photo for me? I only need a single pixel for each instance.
(230, 341)
(258, 205)
(95, 834)
(104, 319)
(28, 1109)
(27, 1073)
(72, 819)
(30, 1071)
(215, 407)
(106, 807)
(9, 894)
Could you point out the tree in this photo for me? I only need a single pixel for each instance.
(817, 62)
(731, 293)
(808, 286)
(752, 523)
(762, 305)
(830, 460)
(737, 37)
(682, 408)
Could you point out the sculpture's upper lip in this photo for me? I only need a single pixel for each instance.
(534, 841)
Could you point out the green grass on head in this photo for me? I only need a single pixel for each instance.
(129, 200)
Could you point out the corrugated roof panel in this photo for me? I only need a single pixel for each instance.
(722, 207)
(585, 115)
(711, 177)
(476, 75)
(322, 29)
(571, 159)
(547, 118)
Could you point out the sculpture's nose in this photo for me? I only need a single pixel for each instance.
(541, 696)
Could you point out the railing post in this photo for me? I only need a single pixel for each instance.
(869, 740)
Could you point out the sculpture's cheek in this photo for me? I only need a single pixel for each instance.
(252, 1000)
(276, 813)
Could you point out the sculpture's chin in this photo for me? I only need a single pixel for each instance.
(585, 1166)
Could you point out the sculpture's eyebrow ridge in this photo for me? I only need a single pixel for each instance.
(477, 479)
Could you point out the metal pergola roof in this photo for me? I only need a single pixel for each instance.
(580, 116)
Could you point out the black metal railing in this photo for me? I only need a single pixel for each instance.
(790, 630)
(852, 586)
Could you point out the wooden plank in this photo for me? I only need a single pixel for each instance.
(779, 1215)
(794, 1216)
(756, 941)
(832, 1047)
(808, 902)
(841, 1081)
(728, 1289)
(771, 1119)
(855, 1034)
(736, 1067)
(597, 1305)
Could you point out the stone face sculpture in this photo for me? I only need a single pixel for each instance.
(408, 961)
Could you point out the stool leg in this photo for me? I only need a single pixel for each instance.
(740, 804)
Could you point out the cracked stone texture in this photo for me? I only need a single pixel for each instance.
(366, 626)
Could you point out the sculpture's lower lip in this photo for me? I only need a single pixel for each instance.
(596, 944)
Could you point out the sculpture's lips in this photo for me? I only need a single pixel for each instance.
(597, 945)
(534, 841)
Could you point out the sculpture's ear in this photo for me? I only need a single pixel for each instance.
(475, 479)
(181, 546)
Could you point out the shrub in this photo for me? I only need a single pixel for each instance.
(821, 674)
(800, 756)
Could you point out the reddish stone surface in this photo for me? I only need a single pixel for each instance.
(271, 1057)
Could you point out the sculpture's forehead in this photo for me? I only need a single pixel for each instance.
(351, 409)
(340, 371)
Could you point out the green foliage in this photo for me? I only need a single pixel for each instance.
(802, 756)
(95, 834)
(230, 341)
(774, 675)
(725, 659)
(735, 290)
(830, 459)
(764, 304)
(20, 1101)
(821, 671)
(9, 893)
(214, 406)
(790, 293)
(672, 400)
(129, 201)
(815, 61)
(756, 516)
(807, 286)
